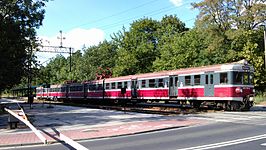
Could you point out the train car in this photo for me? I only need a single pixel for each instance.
(58, 92)
(42, 93)
(229, 86)
(77, 91)
(226, 85)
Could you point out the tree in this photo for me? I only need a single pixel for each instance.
(232, 14)
(137, 48)
(170, 31)
(101, 56)
(18, 21)
(234, 31)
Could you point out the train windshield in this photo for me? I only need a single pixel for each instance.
(243, 78)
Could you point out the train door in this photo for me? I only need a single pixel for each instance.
(209, 84)
(173, 86)
(134, 91)
(67, 91)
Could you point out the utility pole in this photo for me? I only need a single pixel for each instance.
(61, 38)
(59, 49)
(29, 89)
(264, 31)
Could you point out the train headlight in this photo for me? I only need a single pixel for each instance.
(239, 90)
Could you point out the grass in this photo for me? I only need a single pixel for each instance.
(260, 97)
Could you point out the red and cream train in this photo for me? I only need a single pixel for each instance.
(225, 85)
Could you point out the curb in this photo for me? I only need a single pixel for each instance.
(84, 139)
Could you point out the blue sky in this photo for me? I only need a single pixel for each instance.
(88, 22)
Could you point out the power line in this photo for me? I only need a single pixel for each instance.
(116, 14)
(152, 13)
(121, 22)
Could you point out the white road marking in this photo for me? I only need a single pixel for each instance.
(263, 144)
(227, 143)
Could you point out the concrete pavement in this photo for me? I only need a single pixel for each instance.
(80, 123)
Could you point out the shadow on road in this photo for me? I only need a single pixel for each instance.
(55, 137)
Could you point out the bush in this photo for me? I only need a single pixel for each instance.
(260, 97)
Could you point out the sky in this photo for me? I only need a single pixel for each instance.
(85, 23)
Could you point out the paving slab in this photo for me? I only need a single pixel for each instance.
(81, 123)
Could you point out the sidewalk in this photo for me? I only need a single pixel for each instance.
(20, 139)
(80, 123)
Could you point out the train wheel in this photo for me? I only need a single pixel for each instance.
(116, 101)
(247, 104)
(195, 104)
(235, 106)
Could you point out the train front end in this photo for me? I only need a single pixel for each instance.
(241, 85)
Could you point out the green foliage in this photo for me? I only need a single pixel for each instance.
(225, 31)
(260, 97)
(251, 49)
(141, 45)
(137, 48)
(94, 57)
(228, 14)
(233, 32)
(18, 22)
(83, 66)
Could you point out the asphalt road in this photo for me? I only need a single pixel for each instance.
(231, 133)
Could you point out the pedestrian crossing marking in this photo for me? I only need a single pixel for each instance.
(256, 118)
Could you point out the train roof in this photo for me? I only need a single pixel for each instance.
(239, 66)
(57, 85)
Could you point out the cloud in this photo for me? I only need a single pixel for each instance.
(76, 38)
(177, 3)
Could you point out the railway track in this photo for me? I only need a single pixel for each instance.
(151, 108)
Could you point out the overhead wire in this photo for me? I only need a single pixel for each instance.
(123, 21)
(116, 14)
(152, 13)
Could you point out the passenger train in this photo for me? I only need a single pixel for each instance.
(229, 86)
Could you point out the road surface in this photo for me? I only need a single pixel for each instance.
(223, 130)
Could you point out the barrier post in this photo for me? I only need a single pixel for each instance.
(24, 120)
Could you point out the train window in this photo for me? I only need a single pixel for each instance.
(100, 87)
(63, 89)
(242, 78)
(133, 84)
(107, 86)
(223, 78)
(176, 79)
(251, 78)
(245, 78)
(187, 80)
(152, 83)
(80, 88)
(119, 85)
(113, 85)
(237, 77)
(71, 88)
(211, 79)
(166, 81)
(160, 83)
(171, 82)
(197, 79)
(143, 83)
(207, 79)
(92, 87)
(125, 84)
